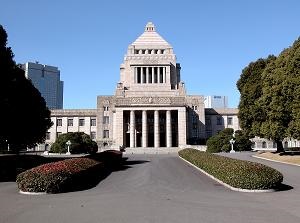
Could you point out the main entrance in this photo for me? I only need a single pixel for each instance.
(151, 128)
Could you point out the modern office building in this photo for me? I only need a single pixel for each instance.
(216, 101)
(47, 80)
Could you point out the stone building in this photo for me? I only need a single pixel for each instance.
(150, 107)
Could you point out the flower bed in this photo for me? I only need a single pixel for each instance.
(236, 173)
(61, 176)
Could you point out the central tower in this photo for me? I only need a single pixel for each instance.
(150, 107)
(150, 67)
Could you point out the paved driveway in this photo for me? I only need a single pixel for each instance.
(154, 188)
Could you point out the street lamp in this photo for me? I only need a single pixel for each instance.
(7, 144)
(68, 143)
(232, 141)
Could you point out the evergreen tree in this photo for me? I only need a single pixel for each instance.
(25, 117)
(270, 102)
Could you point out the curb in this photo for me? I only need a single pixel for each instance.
(227, 185)
(32, 193)
(263, 158)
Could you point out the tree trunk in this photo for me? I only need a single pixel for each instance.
(279, 146)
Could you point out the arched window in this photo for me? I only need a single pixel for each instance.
(286, 144)
(264, 144)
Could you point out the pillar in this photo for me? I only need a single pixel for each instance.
(147, 75)
(132, 129)
(168, 128)
(156, 129)
(142, 75)
(144, 129)
(119, 127)
(182, 127)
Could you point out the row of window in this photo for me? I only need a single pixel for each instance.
(150, 75)
(149, 51)
(220, 121)
(93, 135)
(70, 122)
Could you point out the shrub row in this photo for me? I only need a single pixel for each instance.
(69, 174)
(59, 176)
(237, 173)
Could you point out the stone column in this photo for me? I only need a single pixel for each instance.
(182, 127)
(132, 129)
(168, 128)
(156, 129)
(144, 129)
(142, 75)
(119, 127)
(152, 75)
(147, 75)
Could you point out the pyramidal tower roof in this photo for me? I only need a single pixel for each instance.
(150, 38)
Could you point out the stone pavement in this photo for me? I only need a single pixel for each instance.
(154, 188)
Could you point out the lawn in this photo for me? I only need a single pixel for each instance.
(288, 158)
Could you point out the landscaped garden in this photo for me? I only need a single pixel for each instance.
(69, 174)
(236, 173)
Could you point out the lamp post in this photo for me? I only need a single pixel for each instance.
(232, 141)
(7, 144)
(68, 143)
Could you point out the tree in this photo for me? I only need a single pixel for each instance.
(274, 111)
(220, 142)
(242, 142)
(250, 86)
(80, 143)
(25, 117)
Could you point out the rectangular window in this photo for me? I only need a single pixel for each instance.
(70, 122)
(150, 75)
(81, 122)
(106, 134)
(138, 75)
(93, 122)
(105, 108)
(58, 134)
(144, 75)
(229, 121)
(59, 122)
(47, 135)
(161, 73)
(93, 135)
(207, 121)
(105, 119)
(219, 120)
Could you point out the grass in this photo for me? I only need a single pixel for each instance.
(286, 157)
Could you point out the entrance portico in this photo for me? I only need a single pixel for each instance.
(151, 127)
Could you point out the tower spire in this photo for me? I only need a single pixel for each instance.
(150, 27)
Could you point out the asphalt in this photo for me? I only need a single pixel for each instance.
(156, 188)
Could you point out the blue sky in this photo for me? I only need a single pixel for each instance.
(213, 39)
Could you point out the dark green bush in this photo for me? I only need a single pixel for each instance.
(220, 142)
(61, 176)
(81, 143)
(237, 173)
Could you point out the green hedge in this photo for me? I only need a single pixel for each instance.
(237, 173)
(61, 176)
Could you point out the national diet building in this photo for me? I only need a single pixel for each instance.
(150, 106)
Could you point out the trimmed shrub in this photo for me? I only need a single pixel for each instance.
(220, 142)
(81, 143)
(61, 176)
(108, 157)
(237, 173)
